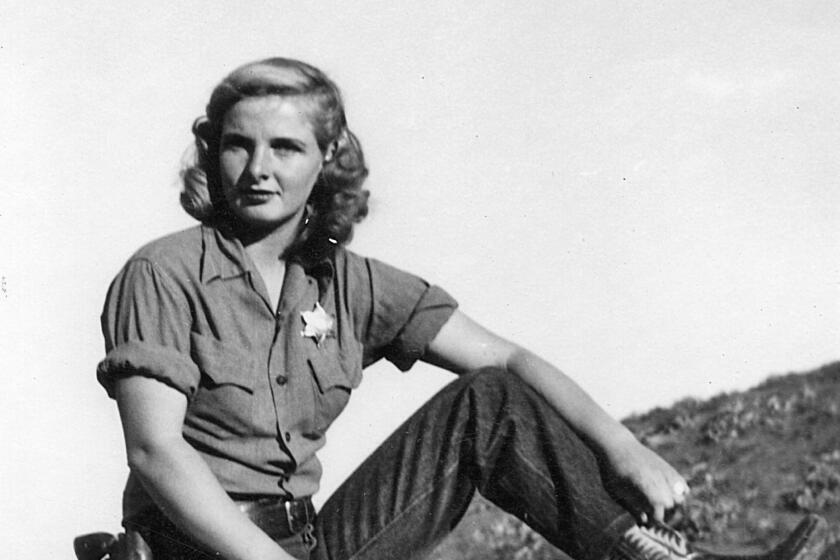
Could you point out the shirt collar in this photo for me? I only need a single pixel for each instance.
(223, 257)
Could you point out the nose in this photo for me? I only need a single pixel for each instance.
(258, 164)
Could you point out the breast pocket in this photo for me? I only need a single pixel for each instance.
(335, 374)
(225, 394)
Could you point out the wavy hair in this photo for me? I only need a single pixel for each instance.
(337, 201)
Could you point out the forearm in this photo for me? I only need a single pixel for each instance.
(570, 400)
(641, 480)
(646, 482)
(183, 486)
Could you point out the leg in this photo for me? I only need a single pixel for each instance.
(487, 431)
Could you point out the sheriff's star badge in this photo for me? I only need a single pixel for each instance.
(318, 324)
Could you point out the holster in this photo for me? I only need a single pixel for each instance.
(126, 546)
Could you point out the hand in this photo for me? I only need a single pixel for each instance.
(644, 483)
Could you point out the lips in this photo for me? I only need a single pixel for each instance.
(257, 196)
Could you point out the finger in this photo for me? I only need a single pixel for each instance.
(659, 513)
(660, 506)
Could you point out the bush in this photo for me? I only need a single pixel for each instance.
(708, 512)
(820, 489)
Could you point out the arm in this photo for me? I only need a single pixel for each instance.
(644, 482)
(177, 477)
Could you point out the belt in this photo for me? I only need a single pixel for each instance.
(279, 517)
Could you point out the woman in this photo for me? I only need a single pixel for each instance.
(233, 345)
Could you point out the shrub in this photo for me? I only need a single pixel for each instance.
(708, 512)
(820, 489)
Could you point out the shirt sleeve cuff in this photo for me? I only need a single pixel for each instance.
(433, 310)
(162, 363)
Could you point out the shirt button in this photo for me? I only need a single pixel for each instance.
(288, 436)
(281, 379)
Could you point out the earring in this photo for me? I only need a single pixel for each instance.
(331, 150)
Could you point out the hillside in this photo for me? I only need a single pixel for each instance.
(756, 461)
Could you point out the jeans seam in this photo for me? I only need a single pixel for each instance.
(609, 533)
(533, 467)
(447, 473)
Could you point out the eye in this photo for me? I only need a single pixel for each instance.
(285, 146)
(231, 142)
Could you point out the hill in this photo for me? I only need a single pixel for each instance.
(756, 460)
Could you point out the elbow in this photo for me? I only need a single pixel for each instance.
(148, 459)
(517, 358)
(138, 457)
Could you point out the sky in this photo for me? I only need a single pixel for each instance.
(644, 193)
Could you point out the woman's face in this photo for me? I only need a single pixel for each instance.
(269, 160)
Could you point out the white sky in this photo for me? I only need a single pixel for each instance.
(646, 195)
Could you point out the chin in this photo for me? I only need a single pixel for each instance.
(263, 221)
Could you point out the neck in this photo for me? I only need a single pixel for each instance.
(267, 247)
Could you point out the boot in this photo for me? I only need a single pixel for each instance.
(657, 541)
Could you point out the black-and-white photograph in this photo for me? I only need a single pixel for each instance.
(577, 265)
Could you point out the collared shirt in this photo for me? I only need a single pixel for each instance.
(263, 384)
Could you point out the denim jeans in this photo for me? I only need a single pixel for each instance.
(487, 432)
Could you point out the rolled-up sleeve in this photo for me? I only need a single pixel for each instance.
(405, 314)
(146, 324)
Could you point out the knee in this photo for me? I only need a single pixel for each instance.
(494, 384)
(491, 374)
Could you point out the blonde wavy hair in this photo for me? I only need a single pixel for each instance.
(337, 201)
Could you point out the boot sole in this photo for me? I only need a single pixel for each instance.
(807, 541)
